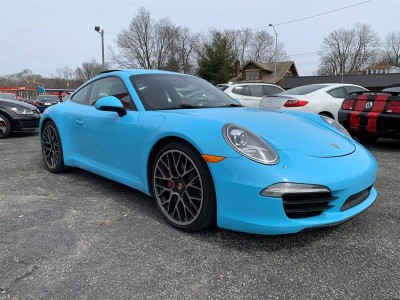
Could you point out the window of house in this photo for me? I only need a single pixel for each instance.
(82, 96)
(253, 75)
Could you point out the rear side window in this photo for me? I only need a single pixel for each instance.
(239, 90)
(270, 90)
(305, 89)
(339, 92)
(82, 96)
(351, 89)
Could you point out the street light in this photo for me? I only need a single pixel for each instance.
(101, 31)
(276, 46)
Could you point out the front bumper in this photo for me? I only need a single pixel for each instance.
(25, 122)
(239, 181)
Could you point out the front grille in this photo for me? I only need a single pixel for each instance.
(30, 123)
(355, 199)
(306, 205)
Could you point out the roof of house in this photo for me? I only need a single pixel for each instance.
(380, 65)
(365, 80)
(281, 69)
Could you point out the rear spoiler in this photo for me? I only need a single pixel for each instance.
(392, 93)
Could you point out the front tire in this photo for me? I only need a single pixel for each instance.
(5, 127)
(52, 148)
(183, 188)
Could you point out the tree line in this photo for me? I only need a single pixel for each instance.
(160, 44)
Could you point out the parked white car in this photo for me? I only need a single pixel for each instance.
(250, 94)
(324, 99)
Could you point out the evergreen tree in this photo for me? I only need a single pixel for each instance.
(216, 61)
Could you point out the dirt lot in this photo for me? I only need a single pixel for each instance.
(79, 236)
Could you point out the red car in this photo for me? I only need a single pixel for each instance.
(370, 116)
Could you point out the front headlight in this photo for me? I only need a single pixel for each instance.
(249, 144)
(22, 111)
(336, 125)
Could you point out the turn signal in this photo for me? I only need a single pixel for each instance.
(212, 158)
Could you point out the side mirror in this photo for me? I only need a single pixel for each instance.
(111, 103)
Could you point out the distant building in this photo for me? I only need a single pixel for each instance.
(255, 71)
(381, 67)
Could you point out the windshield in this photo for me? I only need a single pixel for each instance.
(305, 89)
(47, 97)
(8, 96)
(170, 91)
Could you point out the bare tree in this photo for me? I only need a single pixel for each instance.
(66, 75)
(136, 43)
(345, 50)
(88, 70)
(165, 36)
(392, 48)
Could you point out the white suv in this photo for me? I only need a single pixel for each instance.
(250, 94)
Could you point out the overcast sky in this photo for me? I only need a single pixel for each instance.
(45, 35)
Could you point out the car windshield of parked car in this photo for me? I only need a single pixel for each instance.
(169, 91)
(47, 97)
(303, 90)
(8, 96)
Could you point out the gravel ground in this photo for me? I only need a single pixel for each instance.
(79, 236)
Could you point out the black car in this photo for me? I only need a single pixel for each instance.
(44, 101)
(17, 116)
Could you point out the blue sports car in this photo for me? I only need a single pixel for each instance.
(206, 159)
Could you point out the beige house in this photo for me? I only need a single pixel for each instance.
(254, 71)
(381, 67)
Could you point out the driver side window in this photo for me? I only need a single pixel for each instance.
(111, 86)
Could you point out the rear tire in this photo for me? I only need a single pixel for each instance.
(183, 188)
(5, 127)
(52, 149)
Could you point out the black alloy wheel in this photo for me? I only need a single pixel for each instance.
(52, 148)
(5, 127)
(183, 187)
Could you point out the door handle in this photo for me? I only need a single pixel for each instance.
(79, 122)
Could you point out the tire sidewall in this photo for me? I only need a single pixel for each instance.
(207, 214)
(59, 167)
(8, 127)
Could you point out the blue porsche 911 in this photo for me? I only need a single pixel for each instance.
(206, 159)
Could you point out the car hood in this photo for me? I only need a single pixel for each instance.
(284, 131)
(19, 103)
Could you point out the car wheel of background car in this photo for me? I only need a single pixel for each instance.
(183, 187)
(367, 138)
(5, 127)
(52, 148)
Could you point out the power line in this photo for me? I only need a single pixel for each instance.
(316, 15)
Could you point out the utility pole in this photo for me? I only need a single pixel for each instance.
(276, 47)
(101, 31)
